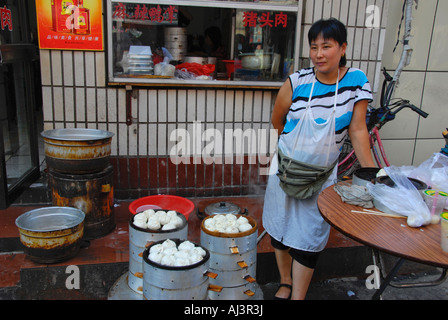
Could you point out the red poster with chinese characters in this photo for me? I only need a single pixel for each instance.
(70, 24)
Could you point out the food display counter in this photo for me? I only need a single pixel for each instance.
(209, 43)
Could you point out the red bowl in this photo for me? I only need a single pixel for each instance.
(165, 202)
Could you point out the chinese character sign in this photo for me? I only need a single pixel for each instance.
(264, 19)
(155, 14)
(5, 19)
(70, 24)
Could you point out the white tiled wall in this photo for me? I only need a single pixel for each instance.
(423, 82)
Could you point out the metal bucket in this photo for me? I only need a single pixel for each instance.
(364, 175)
(162, 282)
(139, 239)
(51, 234)
(77, 150)
(91, 193)
(233, 257)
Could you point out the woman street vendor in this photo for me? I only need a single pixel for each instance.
(316, 109)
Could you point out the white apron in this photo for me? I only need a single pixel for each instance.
(298, 223)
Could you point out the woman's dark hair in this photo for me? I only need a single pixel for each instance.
(329, 29)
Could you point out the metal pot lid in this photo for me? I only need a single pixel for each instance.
(222, 207)
(77, 134)
(49, 219)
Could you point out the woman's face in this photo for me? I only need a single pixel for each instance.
(326, 54)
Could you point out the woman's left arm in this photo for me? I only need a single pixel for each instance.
(359, 136)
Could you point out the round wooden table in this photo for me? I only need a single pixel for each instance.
(387, 234)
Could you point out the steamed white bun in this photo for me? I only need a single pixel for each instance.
(140, 223)
(168, 260)
(171, 214)
(177, 221)
(194, 258)
(199, 251)
(153, 223)
(141, 216)
(170, 251)
(155, 256)
(231, 229)
(168, 243)
(157, 248)
(186, 245)
(163, 217)
(182, 254)
(208, 223)
(244, 227)
(168, 226)
(180, 262)
(242, 220)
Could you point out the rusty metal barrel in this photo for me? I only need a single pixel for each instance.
(233, 257)
(51, 234)
(91, 193)
(77, 150)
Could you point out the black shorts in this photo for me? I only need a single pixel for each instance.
(306, 258)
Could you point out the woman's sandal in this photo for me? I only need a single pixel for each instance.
(286, 286)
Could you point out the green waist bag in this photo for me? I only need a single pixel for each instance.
(301, 180)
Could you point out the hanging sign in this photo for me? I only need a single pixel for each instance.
(264, 19)
(5, 18)
(70, 24)
(152, 14)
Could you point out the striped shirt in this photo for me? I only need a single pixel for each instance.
(353, 87)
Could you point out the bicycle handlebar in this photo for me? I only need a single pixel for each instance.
(413, 108)
(419, 111)
(379, 117)
(384, 113)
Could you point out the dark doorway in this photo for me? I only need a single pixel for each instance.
(20, 98)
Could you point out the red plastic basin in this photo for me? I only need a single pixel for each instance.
(165, 202)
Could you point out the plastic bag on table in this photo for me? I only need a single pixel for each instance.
(164, 69)
(434, 172)
(196, 68)
(403, 198)
(184, 74)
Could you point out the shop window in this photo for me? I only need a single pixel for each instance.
(201, 42)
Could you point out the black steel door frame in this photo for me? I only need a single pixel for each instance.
(27, 53)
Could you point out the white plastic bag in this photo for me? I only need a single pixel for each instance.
(433, 171)
(403, 198)
(164, 69)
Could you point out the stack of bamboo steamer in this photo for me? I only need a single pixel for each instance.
(176, 42)
(233, 257)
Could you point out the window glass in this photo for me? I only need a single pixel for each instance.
(168, 43)
(264, 44)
